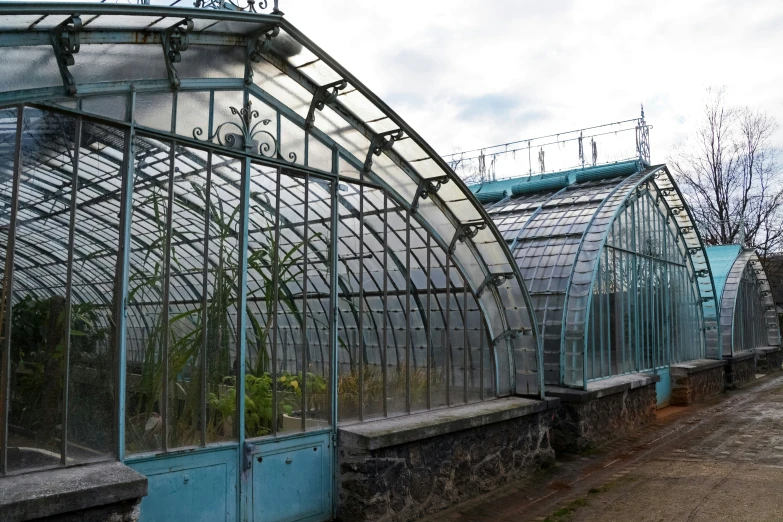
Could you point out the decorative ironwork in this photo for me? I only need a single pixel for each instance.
(464, 232)
(257, 46)
(175, 41)
(247, 139)
(643, 139)
(248, 6)
(494, 280)
(702, 273)
(427, 187)
(380, 143)
(511, 334)
(324, 95)
(66, 43)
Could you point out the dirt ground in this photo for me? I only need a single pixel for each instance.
(717, 461)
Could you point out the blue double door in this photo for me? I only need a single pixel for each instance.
(284, 479)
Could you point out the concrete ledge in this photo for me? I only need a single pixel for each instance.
(66, 490)
(409, 428)
(768, 349)
(603, 387)
(696, 366)
(741, 356)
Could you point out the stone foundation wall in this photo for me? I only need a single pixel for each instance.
(411, 480)
(581, 426)
(695, 386)
(740, 371)
(119, 512)
(769, 361)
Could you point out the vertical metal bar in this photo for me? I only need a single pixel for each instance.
(205, 301)
(77, 139)
(333, 296)
(360, 325)
(385, 345)
(241, 334)
(481, 356)
(164, 405)
(275, 299)
(429, 321)
(446, 336)
(334, 293)
(123, 276)
(465, 341)
(305, 275)
(635, 285)
(5, 373)
(408, 311)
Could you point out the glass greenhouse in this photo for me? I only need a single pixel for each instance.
(747, 312)
(197, 201)
(615, 267)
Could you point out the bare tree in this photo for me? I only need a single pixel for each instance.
(728, 172)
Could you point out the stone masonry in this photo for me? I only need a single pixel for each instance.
(740, 369)
(696, 381)
(769, 360)
(580, 426)
(410, 480)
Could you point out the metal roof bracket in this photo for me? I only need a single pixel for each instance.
(379, 144)
(464, 232)
(494, 280)
(323, 95)
(258, 44)
(175, 40)
(427, 187)
(66, 42)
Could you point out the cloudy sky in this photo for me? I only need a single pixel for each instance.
(469, 74)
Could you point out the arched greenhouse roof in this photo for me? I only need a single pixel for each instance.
(558, 224)
(731, 266)
(238, 83)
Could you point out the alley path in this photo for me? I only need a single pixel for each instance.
(718, 461)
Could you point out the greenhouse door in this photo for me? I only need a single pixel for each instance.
(290, 478)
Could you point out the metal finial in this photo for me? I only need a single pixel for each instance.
(642, 111)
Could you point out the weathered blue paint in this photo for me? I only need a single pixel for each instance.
(663, 388)
(190, 486)
(292, 479)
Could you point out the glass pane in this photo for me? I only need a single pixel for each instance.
(38, 330)
(221, 298)
(91, 397)
(186, 320)
(144, 312)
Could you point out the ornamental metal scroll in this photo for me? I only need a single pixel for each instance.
(175, 41)
(247, 6)
(257, 46)
(324, 95)
(494, 280)
(251, 138)
(380, 143)
(426, 188)
(464, 232)
(66, 43)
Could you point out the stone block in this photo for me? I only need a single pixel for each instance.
(697, 380)
(769, 359)
(740, 369)
(438, 459)
(605, 411)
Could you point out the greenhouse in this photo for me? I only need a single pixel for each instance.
(615, 268)
(748, 321)
(200, 200)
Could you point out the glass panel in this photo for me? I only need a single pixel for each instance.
(37, 326)
(91, 397)
(145, 318)
(221, 301)
(186, 320)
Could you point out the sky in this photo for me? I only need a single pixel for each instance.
(471, 74)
